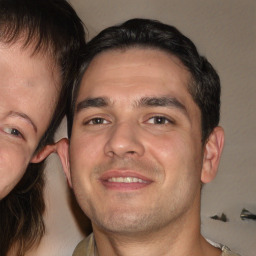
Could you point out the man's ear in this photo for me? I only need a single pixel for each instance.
(212, 153)
(43, 153)
(62, 148)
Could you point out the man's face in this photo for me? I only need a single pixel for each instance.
(135, 150)
(29, 87)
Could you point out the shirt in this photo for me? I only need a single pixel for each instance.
(87, 247)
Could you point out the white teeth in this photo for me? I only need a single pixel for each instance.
(126, 180)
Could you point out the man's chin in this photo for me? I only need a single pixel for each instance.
(124, 223)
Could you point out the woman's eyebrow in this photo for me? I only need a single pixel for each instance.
(24, 117)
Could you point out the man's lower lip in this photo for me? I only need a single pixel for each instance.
(123, 185)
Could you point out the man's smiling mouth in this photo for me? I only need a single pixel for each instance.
(126, 180)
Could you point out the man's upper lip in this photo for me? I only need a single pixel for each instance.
(115, 173)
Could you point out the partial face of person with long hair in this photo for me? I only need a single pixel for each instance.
(29, 90)
(38, 62)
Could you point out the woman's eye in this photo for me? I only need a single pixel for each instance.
(97, 120)
(159, 120)
(13, 131)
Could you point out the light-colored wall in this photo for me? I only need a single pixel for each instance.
(224, 31)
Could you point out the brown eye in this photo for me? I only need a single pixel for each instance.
(13, 131)
(159, 120)
(96, 121)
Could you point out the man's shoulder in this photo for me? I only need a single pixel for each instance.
(85, 247)
(227, 252)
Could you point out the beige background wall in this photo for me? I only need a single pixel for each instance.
(224, 31)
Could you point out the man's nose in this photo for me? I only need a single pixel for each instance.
(124, 141)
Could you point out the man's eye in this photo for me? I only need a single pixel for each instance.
(97, 120)
(159, 120)
(13, 131)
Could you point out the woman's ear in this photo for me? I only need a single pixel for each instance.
(212, 153)
(62, 148)
(43, 153)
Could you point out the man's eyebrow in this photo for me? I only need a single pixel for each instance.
(24, 117)
(143, 102)
(161, 102)
(92, 102)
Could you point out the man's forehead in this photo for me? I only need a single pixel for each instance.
(106, 57)
(134, 63)
(113, 78)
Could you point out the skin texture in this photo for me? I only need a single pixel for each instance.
(136, 119)
(29, 88)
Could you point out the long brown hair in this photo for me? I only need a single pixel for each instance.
(53, 28)
(21, 212)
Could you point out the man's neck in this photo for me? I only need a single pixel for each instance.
(174, 240)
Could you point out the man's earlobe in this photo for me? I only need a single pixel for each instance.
(43, 153)
(212, 154)
(62, 148)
